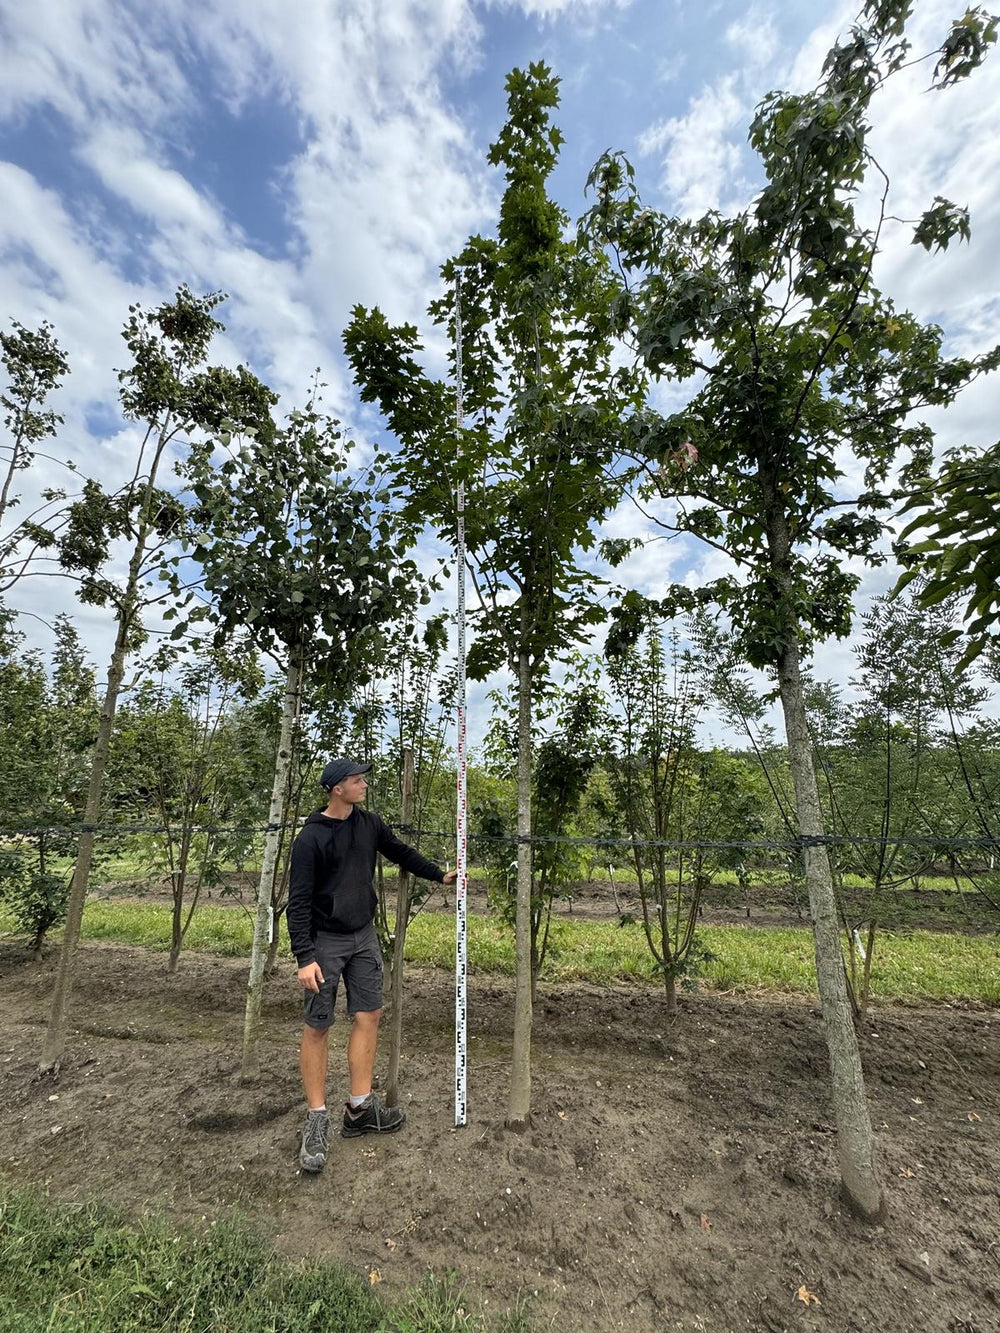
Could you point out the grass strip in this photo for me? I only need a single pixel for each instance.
(909, 966)
(65, 1268)
(138, 869)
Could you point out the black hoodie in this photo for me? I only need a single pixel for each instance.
(333, 871)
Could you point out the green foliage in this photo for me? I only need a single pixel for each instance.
(169, 389)
(35, 895)
(47, 725)
(666, 790)
(302, 556)
(567, 748)
(802, 360)
(34, 364)
(543, 400)
(954, 516)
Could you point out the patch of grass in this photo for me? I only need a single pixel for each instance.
(910, 966)
(221, 930)
(73, 1268)
(920, 965)
(440, 1306)
(63, 1269)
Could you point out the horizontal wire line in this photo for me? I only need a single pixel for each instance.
(985, 843)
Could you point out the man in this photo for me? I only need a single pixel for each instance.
(331, 913)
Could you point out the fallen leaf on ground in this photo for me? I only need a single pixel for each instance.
(704, 1223)
(374, 1277)
(917, 1101)
(806, 1296)
(390, 1244)
(562, 1115)
(973, 1116)
(906, 1173)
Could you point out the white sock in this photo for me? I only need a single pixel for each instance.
(358, 1101)
(315, 1110)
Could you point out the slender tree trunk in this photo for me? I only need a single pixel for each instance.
(398, 945)
(39, 936)
(855, 1140)
(671, 989)
(250, 1067)
(271, 961)
(17, 452)
(55, 1036)
(178, 885)
(519, 1098)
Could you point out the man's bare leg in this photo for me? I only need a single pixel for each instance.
(361, 1047)
(313, 1059)
(364, 1113)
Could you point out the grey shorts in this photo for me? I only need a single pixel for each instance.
(358, 959)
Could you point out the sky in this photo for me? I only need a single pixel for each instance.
(306, 155)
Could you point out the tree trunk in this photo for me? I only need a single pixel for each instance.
(55, 1036)
(271, 961)
(519, 1098)
(178, 884)
(855, 1140)
(671, 988)
(398, 945)
(177, 890)
(250, 1067)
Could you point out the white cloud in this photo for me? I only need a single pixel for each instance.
(551, 9)
(699, 155)
(754, 37)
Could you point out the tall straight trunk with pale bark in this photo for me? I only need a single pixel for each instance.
(519, 1098)
(855, 1139)
(263, 920)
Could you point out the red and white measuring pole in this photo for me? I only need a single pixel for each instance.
(461, 816)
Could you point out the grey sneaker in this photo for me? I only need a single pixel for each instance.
(371, 1117)
(315, 1140)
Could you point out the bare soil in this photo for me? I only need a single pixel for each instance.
(675, 1176)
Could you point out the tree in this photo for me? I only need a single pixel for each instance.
(170, 391)
(799, 358)
(566, 746)
(35, 364)
(171, 763)
(421, 704)
(312, 563)
(668, 791)
(894, 767)
(544, 399)
(47, 725)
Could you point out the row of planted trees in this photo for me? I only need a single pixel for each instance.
(617, 764)
(798, 363)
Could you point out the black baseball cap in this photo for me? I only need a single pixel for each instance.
(339, 769)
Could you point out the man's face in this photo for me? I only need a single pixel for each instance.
(353, 789)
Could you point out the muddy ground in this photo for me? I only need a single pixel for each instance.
(675, 1176)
